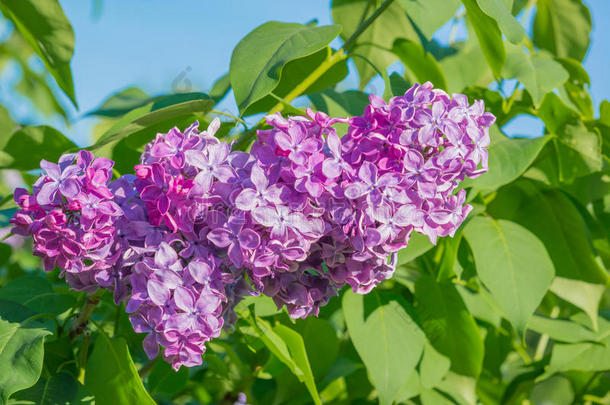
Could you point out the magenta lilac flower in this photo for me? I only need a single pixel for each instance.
(72, 218)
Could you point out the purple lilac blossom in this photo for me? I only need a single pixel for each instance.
(72, 217)
(349, 204)
(305, 213)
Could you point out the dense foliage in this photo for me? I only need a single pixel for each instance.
(510, 306)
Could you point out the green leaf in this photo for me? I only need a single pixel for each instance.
(466, 67)
(14, 312)
(421, 63)
(164, 380)
(582, 294)
(498, 10)
(296, 347)
(512, 263)
(111, 375)
(7, 125)
(481, 305)
(221, 87)
(449, 326)
(489, 36)
(554, 219)
(538, 73)
(555, 114)
(417, 246)
(509, 158)
(461, 388)
(294, 73)
(376, 41)
(34, 85)
(604, 112)
(287, 345)
(411, 388)
(556, 390)
(36, 293)
(398, 84)
(579, 152)
(565, 330)
(381, 329)
(61, 389)
(121, 102)
(577, 85)
(321, 343)
(350, 102)
(21, 355)
(144, 122)
(562, 27)
(434, 397)
(584, 356)
(430, 15)
(27, 146)
(433, 367)
(47, 30)
(259, 58)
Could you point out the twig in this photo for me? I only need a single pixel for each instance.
(146, 368)
(80, 324)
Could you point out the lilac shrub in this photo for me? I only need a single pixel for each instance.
(302, 215)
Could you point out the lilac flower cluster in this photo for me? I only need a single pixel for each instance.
(410, 155)
(72, 217)
(351, 203)
(300, 216)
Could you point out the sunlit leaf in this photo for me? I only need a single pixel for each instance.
(27, 146)
(562, 27)
(512, 263)
(489, 36)
(498, 10)
(121, 102)
(259, 58)
(296, 347)
(576, 88)
(568, 330)
(422, 64)
(418, 245)
(538, 73)
(448, 325)
(582, 294)
(579, 151)
(57, 389)
(21, 354)
(554, 219)
(287, 345)
(584, 356)
(376, 41)
(111, 375)
(381, 330)
(429, 15)
(433, 367)
(47, 30)
(508, 159)
(144, 122)
(294, 73)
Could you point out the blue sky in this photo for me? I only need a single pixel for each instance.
(187, 44)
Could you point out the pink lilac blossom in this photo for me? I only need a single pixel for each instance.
(72, 217)
(305, 213)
